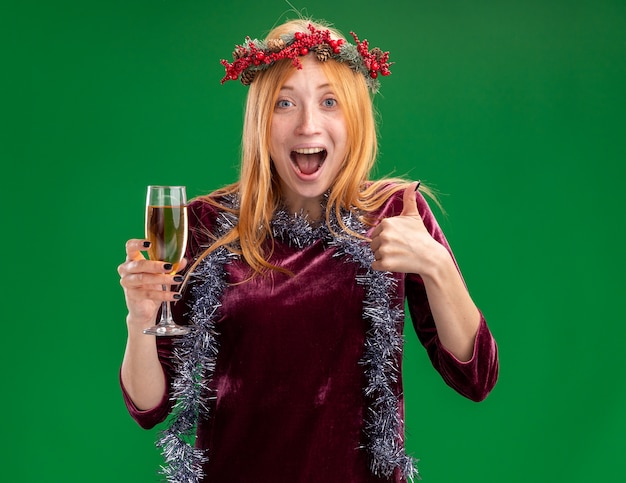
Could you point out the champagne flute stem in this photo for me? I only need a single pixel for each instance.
(166, 325)
(166, 312)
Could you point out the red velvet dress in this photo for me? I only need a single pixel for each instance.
(289, 403)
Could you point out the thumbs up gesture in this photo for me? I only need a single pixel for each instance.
(402, 243)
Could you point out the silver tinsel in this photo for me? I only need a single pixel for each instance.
(383, 350)
(196, 353)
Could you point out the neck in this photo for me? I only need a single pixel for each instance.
(310, 208)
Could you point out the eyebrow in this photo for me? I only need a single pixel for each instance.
(291, 88)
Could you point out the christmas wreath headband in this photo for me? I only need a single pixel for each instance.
(258, 55)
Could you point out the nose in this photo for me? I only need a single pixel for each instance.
(308, 121)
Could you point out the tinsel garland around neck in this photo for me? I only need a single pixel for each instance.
(196, 353)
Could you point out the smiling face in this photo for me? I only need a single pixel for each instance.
(308, 138)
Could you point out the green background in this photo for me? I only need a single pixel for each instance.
(513, 110)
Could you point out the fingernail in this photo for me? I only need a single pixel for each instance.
(168, 266)
(177, 296)
(146, 244)
(178, 278)
(418, 185)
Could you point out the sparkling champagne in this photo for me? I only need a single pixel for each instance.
(166, 229)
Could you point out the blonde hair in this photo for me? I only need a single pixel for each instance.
(259, 189)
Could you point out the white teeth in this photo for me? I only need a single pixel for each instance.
(309, 150)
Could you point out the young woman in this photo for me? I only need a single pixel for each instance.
(295, 288)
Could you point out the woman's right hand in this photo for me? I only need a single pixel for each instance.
(143, 281)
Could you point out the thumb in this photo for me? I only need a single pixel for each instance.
(409, 207)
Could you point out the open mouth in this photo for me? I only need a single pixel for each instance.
(308, 160)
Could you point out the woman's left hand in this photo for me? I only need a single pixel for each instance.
(402, 243)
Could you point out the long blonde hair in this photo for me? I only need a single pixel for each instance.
(259, 188)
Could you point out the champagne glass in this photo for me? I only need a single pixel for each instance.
(166, 229)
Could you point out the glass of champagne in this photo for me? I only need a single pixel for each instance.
(166, 229)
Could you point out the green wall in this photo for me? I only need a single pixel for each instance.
(513, 110)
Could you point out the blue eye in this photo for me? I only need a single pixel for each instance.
(330, 102)
(283, 103)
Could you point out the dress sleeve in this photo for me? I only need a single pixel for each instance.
(473, 379)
